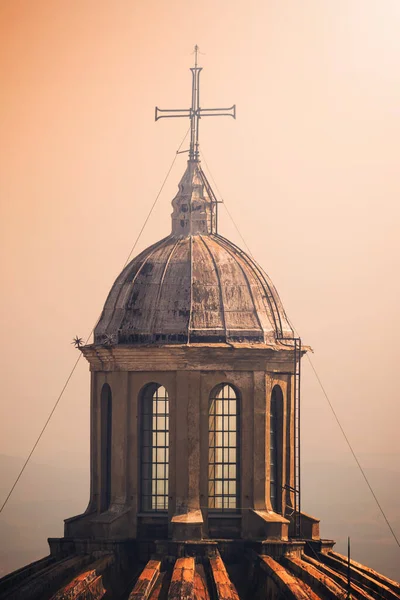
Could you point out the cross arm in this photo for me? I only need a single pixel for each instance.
(218, 112)
(172, 112)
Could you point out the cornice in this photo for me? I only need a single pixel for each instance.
(190, 357)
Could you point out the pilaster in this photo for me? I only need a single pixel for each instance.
(187, 521)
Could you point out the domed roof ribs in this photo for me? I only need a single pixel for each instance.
(248, 287)
(192, 289)
(113, 322)
(219, 284)
(267, 290)
(172, 311)
(160, 288)
(114, 294)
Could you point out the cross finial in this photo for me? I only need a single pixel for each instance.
(195, 112)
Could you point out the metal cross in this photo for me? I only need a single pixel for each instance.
(195, 112)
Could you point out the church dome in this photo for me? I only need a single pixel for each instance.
(193, 288)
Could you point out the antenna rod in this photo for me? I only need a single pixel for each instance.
(348, 570)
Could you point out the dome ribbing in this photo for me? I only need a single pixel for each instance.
(198, 288)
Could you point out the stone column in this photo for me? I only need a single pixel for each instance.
(262, 521)
(132, 445)
(120, 393)
(260, 457)
(187, 521)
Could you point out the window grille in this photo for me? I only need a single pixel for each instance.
(154, 448)
(223, 453)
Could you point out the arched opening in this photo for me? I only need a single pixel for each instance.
(154, 448)
(223, 449)
(106, 441)
(275, 448)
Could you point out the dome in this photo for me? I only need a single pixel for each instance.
(195, 288)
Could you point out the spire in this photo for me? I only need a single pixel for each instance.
(195, 113)
(195, 205)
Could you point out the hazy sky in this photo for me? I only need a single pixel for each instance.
(309, 170)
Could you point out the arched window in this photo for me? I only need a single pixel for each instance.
(223, 450)
(106, 435)
(154, 448)
(275, 448)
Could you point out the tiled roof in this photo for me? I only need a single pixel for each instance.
(244, 575)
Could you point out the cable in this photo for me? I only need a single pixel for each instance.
(352, 451)
(157, 197)
(44, 427)
(223, 202)
(321, 385)
(88, 337)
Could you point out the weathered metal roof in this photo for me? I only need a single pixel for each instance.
(195, 288)
(194, 285)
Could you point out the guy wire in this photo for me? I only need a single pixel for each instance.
(88, 337)
(321, 385)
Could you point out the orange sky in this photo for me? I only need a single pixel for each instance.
(310, 171)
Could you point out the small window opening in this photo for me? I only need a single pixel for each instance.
(106, 443)
(275, 448)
